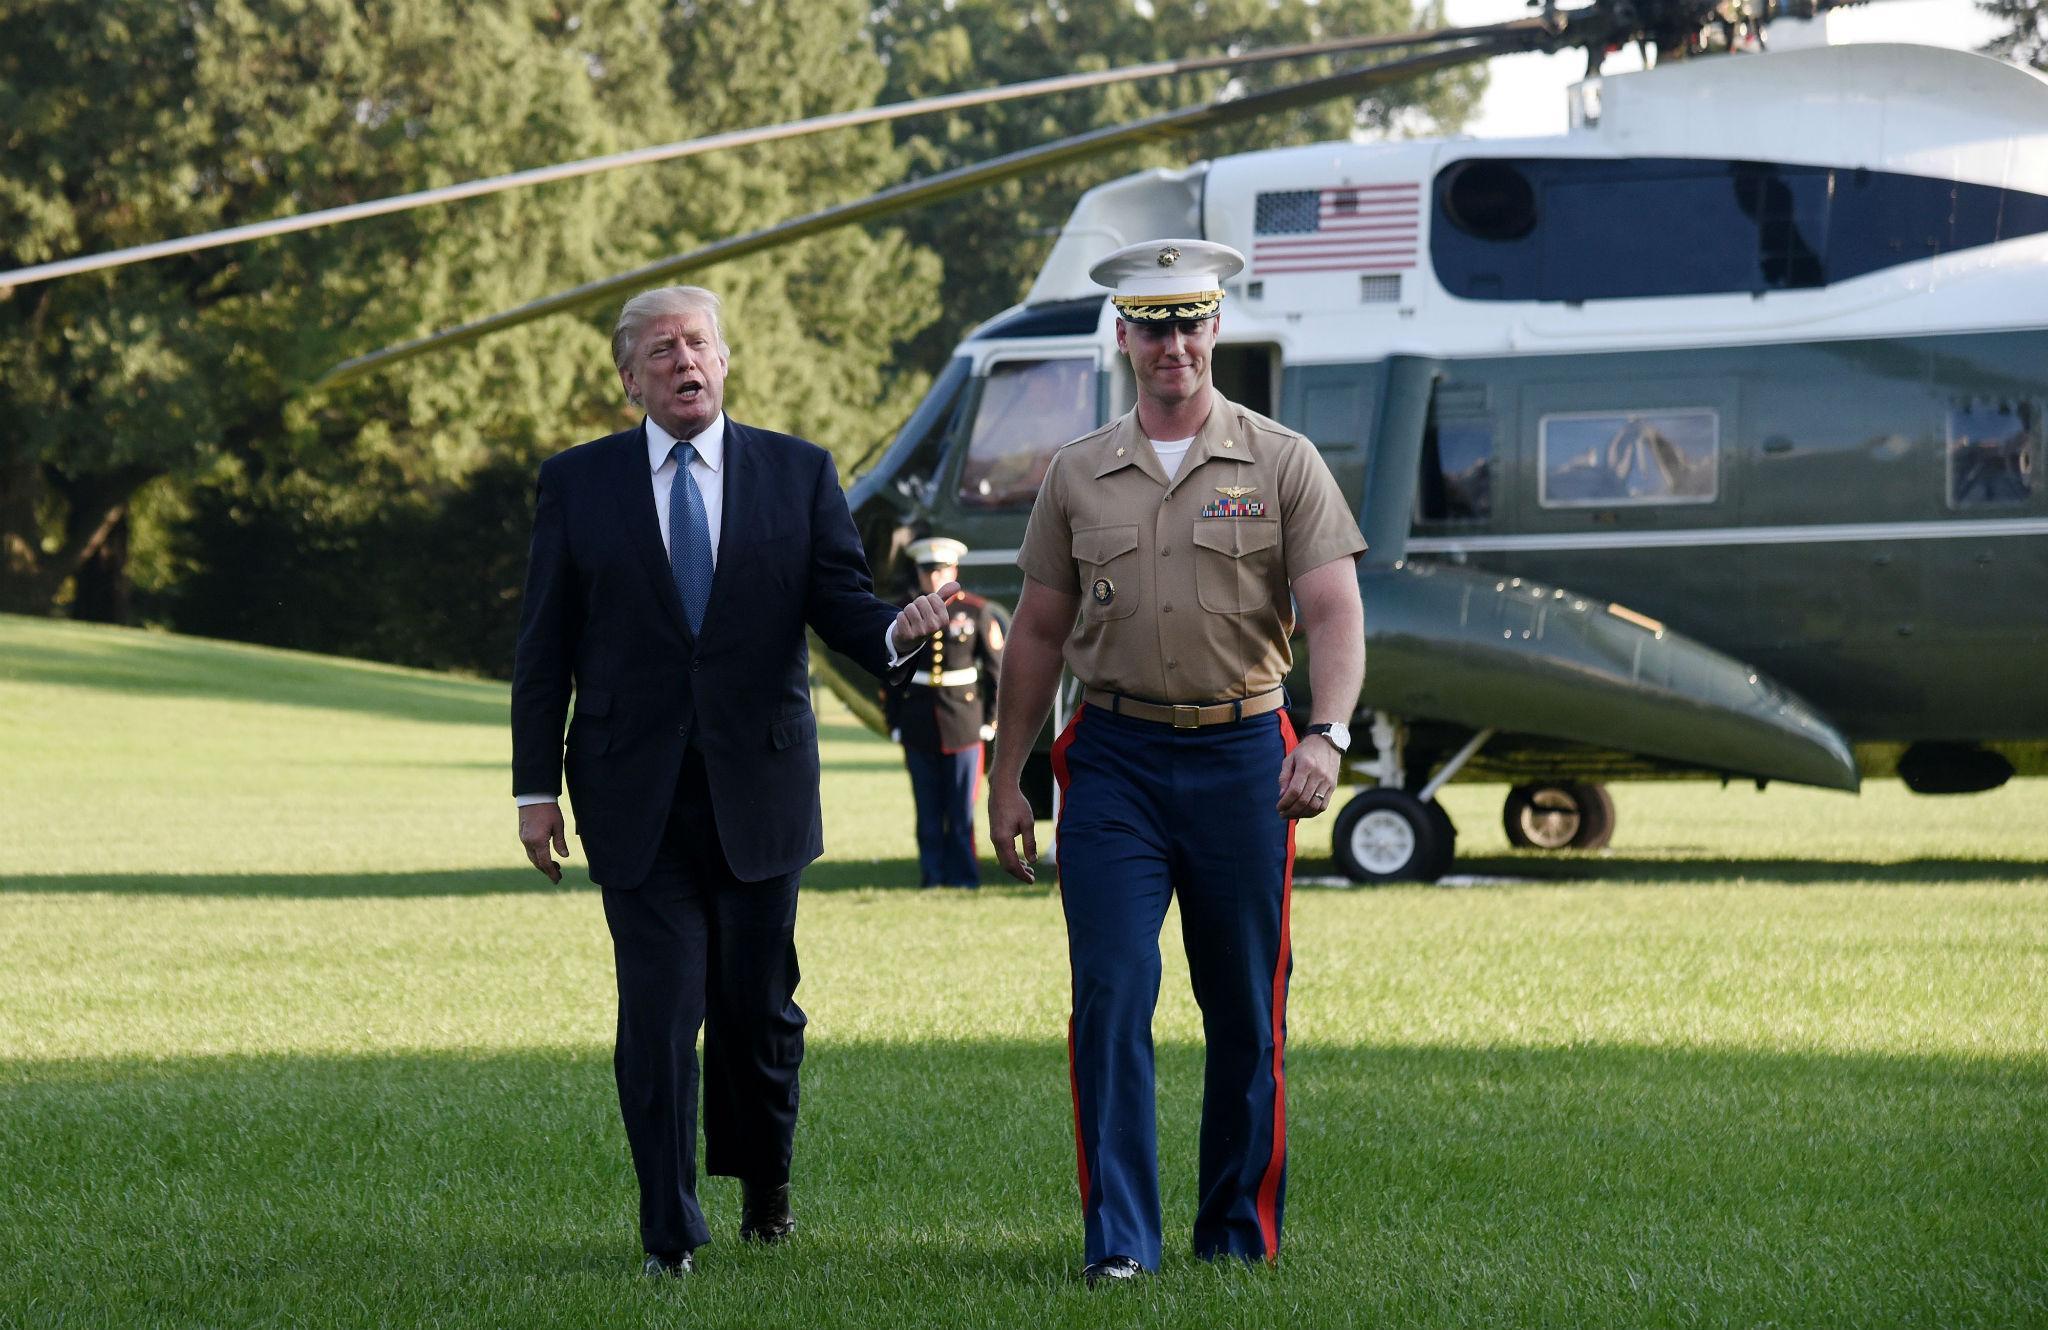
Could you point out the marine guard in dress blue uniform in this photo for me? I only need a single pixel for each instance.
(942, 715)
(1165, 557)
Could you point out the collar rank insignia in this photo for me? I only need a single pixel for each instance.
(1236, 491)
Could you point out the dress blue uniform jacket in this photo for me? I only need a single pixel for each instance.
(602, 618)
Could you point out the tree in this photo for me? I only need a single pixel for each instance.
(123, 121)
(995, 240)
(2025, 40)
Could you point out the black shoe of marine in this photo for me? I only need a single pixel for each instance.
(1111, 1269)
(764, 1212)
(663, 1267)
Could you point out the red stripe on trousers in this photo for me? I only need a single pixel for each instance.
(1269, 1185)
(1059, 774)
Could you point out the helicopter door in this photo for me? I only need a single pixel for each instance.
(1247, 373)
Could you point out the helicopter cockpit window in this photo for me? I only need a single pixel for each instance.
(1993, 453)
(1617, 458)
(1028, 408)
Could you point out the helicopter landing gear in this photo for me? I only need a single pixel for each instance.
(1564, 815)
(1386, 834)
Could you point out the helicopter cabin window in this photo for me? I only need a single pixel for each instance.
(1028, 408)
(1456, 484)
(1993, 453)
(1612, 459)
(1571, 230)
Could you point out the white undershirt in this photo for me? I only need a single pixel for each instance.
(1173, 452)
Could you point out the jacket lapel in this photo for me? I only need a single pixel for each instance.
(634, 490)
(743, 483)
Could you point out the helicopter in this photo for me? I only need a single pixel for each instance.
(1674, 459)
(1700, 440)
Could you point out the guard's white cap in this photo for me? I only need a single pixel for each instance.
(935, 551)
(1168, 279)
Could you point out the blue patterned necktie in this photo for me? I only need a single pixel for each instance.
(689, 538)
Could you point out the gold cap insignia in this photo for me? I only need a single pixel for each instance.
(1236, 491)
(1168, 257)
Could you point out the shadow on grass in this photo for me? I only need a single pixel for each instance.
(1762, 871)
(935, 1184)
(140, 664)
(825, 875)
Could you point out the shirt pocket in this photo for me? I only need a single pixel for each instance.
(1108, 560)
(1235, 559)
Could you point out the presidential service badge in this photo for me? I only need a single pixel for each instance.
(1105, 591)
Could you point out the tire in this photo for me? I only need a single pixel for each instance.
(1596, 816)
(1391, 836)
(1561, 815)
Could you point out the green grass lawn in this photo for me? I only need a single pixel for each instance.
(289, 1034)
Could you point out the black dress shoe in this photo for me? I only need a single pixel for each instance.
(1111, 1269)
(662, 1267)
(764, 1212)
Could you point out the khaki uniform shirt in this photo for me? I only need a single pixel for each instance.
(1184, 586)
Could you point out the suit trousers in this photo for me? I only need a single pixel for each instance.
(695, 946)
(1149, 814)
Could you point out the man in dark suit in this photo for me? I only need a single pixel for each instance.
(674, 568)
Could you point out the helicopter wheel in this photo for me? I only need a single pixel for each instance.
(1385, 835)
(1567, 815)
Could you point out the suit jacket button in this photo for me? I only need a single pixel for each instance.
(693, 667)
(682, 731)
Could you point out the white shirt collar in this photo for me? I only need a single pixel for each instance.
(710, 444)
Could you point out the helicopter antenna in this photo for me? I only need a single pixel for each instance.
(1167, 125)
(542, 175)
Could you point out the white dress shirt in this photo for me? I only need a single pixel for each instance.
(708, 468)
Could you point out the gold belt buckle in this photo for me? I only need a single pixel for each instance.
(1186, 717)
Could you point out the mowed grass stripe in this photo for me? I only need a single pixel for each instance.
(288, 1035)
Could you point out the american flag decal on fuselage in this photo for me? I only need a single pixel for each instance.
(1349, 228)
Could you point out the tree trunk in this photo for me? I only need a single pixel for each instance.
(102, 592)
(94, 549)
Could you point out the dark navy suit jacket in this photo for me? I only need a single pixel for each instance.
(602, 619)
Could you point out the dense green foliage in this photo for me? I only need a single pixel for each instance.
(124, 122)
(291, 1036)
(153, 418)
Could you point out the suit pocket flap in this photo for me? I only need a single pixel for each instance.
(1237, 536)
(794, 730)
(593, 702)
(1100, 544)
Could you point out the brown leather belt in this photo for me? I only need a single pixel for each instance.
(1186, 717)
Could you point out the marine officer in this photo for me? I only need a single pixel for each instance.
(1165, 557)
(943, 713)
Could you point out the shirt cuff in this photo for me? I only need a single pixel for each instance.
(889, 645)
(522, 800)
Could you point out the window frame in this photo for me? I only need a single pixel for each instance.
(1542, 460)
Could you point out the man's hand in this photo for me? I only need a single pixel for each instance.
(920, 619)
(1009, 816)
(1308, 777)
(540, 825)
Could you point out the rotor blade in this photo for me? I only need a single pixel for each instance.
(741, 138)
(1170, 124)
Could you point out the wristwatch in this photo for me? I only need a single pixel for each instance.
(1338, 734)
